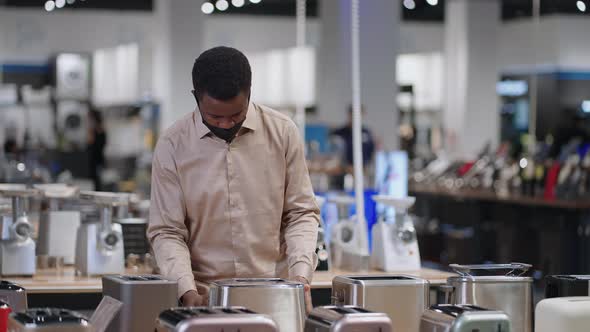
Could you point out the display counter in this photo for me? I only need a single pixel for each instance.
(50, 287)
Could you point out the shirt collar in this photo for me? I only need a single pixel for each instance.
(250, 123)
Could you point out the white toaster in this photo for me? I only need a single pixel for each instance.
(571, 314)
(214, 319)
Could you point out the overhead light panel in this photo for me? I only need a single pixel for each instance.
(432, 2)
(255, 1)
(60, 3)
(581, 6)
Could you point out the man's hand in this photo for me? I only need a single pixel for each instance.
(192, 299)
(307, 291)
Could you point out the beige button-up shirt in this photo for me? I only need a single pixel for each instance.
(245, 209)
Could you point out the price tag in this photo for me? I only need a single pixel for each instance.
(105, 313)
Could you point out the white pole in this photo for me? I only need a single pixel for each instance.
(300, 22)
(356, 129)
(534, 80)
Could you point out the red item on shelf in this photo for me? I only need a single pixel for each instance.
(4, 312)
(551, 181)
(465, 168)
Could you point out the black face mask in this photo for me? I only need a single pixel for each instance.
(225, 134)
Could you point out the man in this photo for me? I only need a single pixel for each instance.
(231, 194)
(97, 141)
(345, 133)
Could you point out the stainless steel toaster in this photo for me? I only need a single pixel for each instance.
(214, 319)
(280, 299)
(403, 298)
(463, 318)
(143, 297)
(48, 320)
(499, 287)
(346, 319)
(14, 295)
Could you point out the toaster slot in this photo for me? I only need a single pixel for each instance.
(343, 310)
(262, 281)
(206, 311)
(319, 319)
(379, 278)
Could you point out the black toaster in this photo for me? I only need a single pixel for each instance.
(567, 285)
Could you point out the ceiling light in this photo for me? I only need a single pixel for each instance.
(222, 5)
(432, 2)
(60, 3)
(207, 8)
(523, 163)
(586, 106)
(237, 3)
(50, 5)
(70, 2)
(581, 6)
(255, 1)
(410, 4)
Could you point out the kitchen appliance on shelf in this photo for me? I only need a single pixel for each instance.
(571, 314)
(498, 287)
(99, 245)
(463, 318)
(14, 295)
(58, 227)
(346, 319)
(402, 298)
(48, 320)
(395, 243)
(567, 285)
(17, 248)
(280, 299)
(346, 245)
(214, 319)
(143, 298)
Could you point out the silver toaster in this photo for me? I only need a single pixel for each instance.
(463, 318)
(402, 298)
(48, 320)
(346, 319)
(14, 295)
(143, 297)
(214, 319)
(280, 299)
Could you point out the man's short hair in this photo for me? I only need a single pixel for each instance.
(222, 73)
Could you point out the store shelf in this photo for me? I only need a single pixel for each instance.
(483, 195)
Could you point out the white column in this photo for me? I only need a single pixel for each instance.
(379, 40)
(179, 44)
(471, 114)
